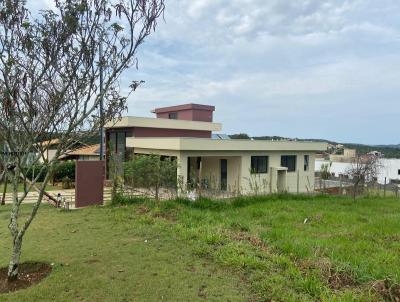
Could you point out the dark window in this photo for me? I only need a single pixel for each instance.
(259, 164)
(224, 174)
(173, 115)
(398, 171)
(289, 161)
(306, 162)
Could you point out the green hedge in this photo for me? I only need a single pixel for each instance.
(62, 170)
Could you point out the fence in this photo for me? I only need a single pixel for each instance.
(345, 186)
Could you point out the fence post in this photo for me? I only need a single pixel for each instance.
(384, 189)
(298, 181)
(341, 184)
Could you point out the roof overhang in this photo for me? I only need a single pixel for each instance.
(190, 106)
(203, 144)
(161, 123)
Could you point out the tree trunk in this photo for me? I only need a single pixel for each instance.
(13, 226)
(18, 234)
(3, 199)
(14, 261)
(355, 189)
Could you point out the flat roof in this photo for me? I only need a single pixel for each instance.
(162, 123)
(184, 107)
(205, 144)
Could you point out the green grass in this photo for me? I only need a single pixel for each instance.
(337, 255)
(101, 254)
(247, 249)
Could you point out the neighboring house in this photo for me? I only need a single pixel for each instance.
(50, 147)
(91, 152)
(347, 156)
(185, 133)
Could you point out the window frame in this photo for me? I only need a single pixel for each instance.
(256, 158)
(286, 165)
(173, 115)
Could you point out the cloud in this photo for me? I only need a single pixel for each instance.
(305, 68)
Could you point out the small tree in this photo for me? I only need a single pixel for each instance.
(51, 70)
(151, 172)
(363, 168)
(326, 171)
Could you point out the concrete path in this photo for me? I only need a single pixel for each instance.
(69, 195)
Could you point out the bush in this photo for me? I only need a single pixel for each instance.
(66, 183)
(151, 172)
(120, 199)
(34, 170)
(63, 170)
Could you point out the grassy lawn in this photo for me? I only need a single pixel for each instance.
(258, 249)
(114, 254)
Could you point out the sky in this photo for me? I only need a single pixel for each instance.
(294, 68)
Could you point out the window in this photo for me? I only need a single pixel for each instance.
(259, 164)
(289, 161)
(173, 115)
(398, 172)
(306, 162)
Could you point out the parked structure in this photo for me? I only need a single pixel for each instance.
(185, 133)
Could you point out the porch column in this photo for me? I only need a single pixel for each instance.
(245, 165)
(182, 169)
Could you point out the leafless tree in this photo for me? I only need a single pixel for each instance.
(363, 169)
(50, 68)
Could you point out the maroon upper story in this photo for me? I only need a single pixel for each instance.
(190, 112)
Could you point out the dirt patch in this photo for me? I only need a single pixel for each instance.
(336, 279)
(142, 210)
(30, 273)
(202, 293)
(387, 290)
(253, 240)
(170, 216)
(92, 261)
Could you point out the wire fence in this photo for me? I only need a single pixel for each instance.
(345, 186)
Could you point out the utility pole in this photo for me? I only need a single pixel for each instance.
(101, 101)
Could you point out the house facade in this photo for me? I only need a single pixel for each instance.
(185, 133)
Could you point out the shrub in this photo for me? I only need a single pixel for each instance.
(66, 183)
(34, 170)
(120, 199)
(151, 172)
(63, 170)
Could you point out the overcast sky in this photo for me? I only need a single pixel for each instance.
(296, 68)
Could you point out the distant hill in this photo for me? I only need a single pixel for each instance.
(390, 151)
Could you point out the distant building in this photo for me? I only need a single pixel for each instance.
(91, 152)
(50, 147)
(347, 156)
(376, 153)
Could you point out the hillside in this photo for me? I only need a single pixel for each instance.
(390, 151)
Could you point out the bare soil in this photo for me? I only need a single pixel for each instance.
(388, 290)
(30, 273)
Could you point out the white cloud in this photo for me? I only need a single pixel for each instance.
(266, 62)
